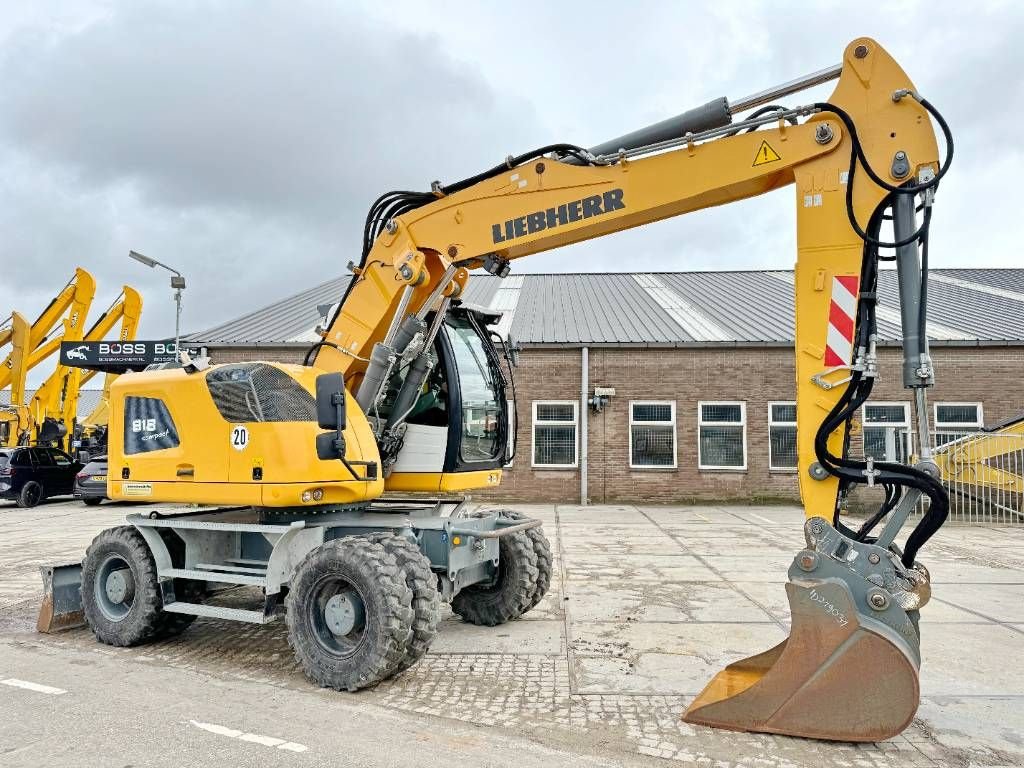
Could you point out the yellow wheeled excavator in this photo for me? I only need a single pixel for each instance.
(406, 390)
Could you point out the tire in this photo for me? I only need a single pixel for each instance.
(354, 572)
(509, 596)
(31, 493)
(136, 619)
(541, 548)
(426, 600)
(92, 501)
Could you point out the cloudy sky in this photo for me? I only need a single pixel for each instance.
(242, 141)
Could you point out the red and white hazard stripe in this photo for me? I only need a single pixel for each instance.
(842, 313)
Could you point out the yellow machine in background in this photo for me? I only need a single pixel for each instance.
(92, 429)
(72, 302)
(54, 406)
(406, 391)
(987, 469)
(14, 419)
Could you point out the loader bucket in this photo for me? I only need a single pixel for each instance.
(841, 675)
(62, 598)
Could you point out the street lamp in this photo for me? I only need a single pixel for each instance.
(177, 283)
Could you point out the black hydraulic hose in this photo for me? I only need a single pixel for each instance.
(857, 155)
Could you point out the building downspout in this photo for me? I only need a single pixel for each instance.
(584, 415)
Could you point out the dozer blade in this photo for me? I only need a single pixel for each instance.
(62, 598)
(847, 672)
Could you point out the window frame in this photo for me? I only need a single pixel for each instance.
(741, 423)
(512, 414)
(675, 430)
(575, 423)
(773, 423)
(906, 424)
(958, 425)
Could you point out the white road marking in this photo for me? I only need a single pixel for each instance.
(763, 519)
(253, 738)
(32, 686)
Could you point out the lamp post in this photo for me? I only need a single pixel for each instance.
(178, 284)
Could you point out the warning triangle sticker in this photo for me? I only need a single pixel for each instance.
(765, 154)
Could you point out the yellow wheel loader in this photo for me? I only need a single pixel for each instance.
(405, 393)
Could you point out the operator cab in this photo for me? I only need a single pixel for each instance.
(461, 422)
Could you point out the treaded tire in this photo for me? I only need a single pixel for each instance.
(373, 572)
(30, 495)
(426, 600)
(142, 621)
(92, 501)
(509, 596)
(541, 548)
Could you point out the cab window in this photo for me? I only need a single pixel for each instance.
(481, 411)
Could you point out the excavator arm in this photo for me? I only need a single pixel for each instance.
(867, 154)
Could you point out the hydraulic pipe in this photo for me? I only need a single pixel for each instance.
(717, 113)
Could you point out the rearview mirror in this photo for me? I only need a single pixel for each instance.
(330, 401)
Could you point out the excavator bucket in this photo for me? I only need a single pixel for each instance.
(62, 598)
(849, 669)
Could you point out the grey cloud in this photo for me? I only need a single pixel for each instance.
(242, 142)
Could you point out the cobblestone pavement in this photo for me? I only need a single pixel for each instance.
(647, 603)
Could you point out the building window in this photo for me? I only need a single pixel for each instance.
(722, 442)
(782, 436)
(956, 420)
(887, 431)
(554, 433)
(652, 435)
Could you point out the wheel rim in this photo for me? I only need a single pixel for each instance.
(114, 588)
(337, 615)
(32, 494)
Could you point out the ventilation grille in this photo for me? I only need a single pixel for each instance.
(257, 392)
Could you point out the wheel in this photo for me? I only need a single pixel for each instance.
(541, 548)
(31, 494)
(509, 596)
(426, 600)
(349, 614)
(120, 593)
(92, 501)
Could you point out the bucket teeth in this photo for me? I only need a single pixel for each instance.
(839, 676)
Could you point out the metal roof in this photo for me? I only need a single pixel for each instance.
(88, 399)
(966, 306)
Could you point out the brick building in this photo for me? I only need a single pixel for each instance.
(702, 369)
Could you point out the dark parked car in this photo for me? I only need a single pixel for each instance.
(91, 482)
(29, 475)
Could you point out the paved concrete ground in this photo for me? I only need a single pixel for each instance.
(646, 605)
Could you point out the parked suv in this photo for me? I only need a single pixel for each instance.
(29, 475)
(91, 482)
